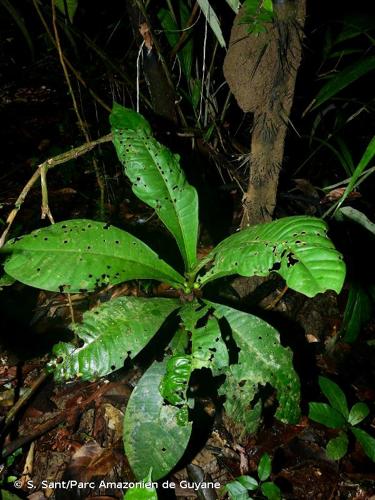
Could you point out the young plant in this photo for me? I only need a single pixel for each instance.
(336, 415)
(82, 255)
(239, 488)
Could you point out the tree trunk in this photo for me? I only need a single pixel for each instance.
(261, 71)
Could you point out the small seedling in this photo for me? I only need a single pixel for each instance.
(336, 415)
(239, 488)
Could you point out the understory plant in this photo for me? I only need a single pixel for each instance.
(238, 488)
(83, 255)
(336, 415)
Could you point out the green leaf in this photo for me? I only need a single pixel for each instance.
(264, 467)
(71, 6)
(335, 396)
(234, 5)
(296, 247)
(81, 254)
(173, 31)
(111, 332)
(250, 483)
(208, 348)
(271, 491)
(326, 415)
(7, 495)
(358, 217)
(358, 413)
(146, 491)
(368, 155)
(152, 435)
(344, 78)
(236, 491)
(212, 20)
(6, 280)
(337, 447)
(175, 382)
(157, 179)
(358, 311)
(261, 360)
(366, 441)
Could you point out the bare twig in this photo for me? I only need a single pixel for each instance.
(48, 164)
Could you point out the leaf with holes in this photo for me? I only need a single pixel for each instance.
(261, 361)
(296, 247)
(110, 333)
(152, 435)
(82, 255)
(157, 179)
(207, 346)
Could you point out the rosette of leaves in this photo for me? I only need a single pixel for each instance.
(82, 255)
(336, 415)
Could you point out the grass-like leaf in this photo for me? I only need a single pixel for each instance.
(344, 78)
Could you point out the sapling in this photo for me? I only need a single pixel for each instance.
(83, 255)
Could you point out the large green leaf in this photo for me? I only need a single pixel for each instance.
(157, 178)
(110, 333)
(261, 360)
(296, 247)
(81, 254)
(152, 435)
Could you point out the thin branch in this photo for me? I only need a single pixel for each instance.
(48, 164)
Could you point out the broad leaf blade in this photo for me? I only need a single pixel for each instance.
(271, 491)
(236, 491)
(152, 436)
(335, 396)
(264, 467)
(261, 360)
(82, 255)
(111, 332)
(337, 447)
(248, 482)
(145, 491)
(366, 441)
(296, 247)
(358, 413)
(326, 415)
(157, 179)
